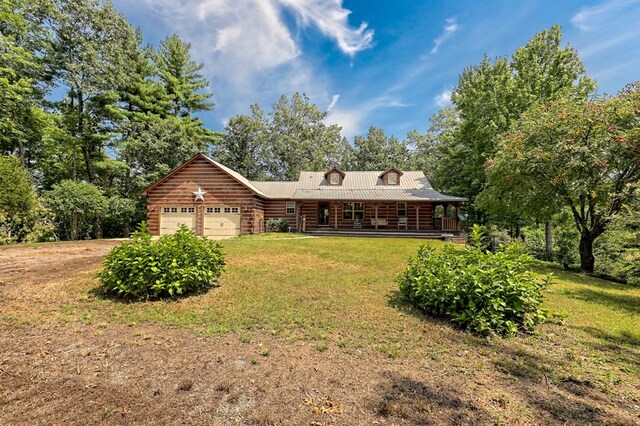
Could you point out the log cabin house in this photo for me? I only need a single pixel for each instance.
(218, 202)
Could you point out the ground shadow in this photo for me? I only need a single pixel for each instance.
(619, 302)
(99, 293)
(580, 277)
(426, 402)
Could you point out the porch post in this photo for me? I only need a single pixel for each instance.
(375, 206)
(335, 215)
(417, 217)
(458, 217)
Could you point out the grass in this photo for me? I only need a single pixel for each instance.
(340, 293)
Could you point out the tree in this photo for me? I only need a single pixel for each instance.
(76, 205)
(438, 143)
(21, 118)
(243, 148)
(17, 194)
(298, 139)
(90, 47)
(584, 153)
(182, 78)
(22, 216)
(377, 151)
(490, 97)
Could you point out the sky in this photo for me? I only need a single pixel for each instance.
(391, 64)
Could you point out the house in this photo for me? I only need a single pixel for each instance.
(217, 201)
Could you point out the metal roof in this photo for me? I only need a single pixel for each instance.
(356, 186)
(379, 194)
(275, 189)
(237, 176)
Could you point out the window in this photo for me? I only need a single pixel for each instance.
(166, 210)
(216, 209)
(234, 210)
(174, 210)
(192, 209)
(353, 211)
(392, 178)
(334, 178)
(291, 207)
(209, 209)
(227, 209)
(402, 209)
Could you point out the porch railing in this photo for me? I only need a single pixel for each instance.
(449, 224)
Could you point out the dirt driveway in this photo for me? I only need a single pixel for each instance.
(110, 373)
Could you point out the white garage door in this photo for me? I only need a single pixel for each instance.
(222, 222)
(173, 217)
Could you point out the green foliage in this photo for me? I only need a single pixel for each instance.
(377, 151)
(480, 291)
(75, 205)
(565, 242)
(277, 225)
(17, 194)
(22, 216)
(582, 153)
(174, 265)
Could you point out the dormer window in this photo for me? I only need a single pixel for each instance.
(391, 176)
(335, 178)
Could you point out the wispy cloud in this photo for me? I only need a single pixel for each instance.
(333, 103)
(443, 98)
(589, 17)
(251, 48)
(354, 120)
(450, 28)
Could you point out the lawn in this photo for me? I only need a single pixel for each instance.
(337, 298)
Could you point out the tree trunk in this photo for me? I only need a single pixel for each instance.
(98, 228)
(126, 226)
(587, 260)
(548, 240)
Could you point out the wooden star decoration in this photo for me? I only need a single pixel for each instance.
(199, 194)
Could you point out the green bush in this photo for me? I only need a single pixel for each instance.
(478, 290)
(174, 265)
(277, 225)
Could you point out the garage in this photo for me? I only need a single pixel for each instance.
(173, 217)
(221, 221)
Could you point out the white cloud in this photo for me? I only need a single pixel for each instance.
(450, 28)
(350, 120)
(353, 120)
(333, 103)
(250, 50)
(443, 98)
(589, 17)
(331, 19)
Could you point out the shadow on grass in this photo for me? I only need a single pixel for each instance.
(99, 293)
(537, 372)
(624, 345)
(579, 277)
(426, 402)
(620, 302)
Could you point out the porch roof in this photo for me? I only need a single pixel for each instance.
(373, 195)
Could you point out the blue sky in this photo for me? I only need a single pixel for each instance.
(391, 64)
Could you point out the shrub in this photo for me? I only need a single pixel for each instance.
(478, 290)
(277, 225)
(174, 265)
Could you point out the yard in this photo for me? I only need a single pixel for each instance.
(301, 331)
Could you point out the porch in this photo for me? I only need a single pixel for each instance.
(386, 218)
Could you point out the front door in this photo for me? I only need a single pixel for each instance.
(323, 214)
